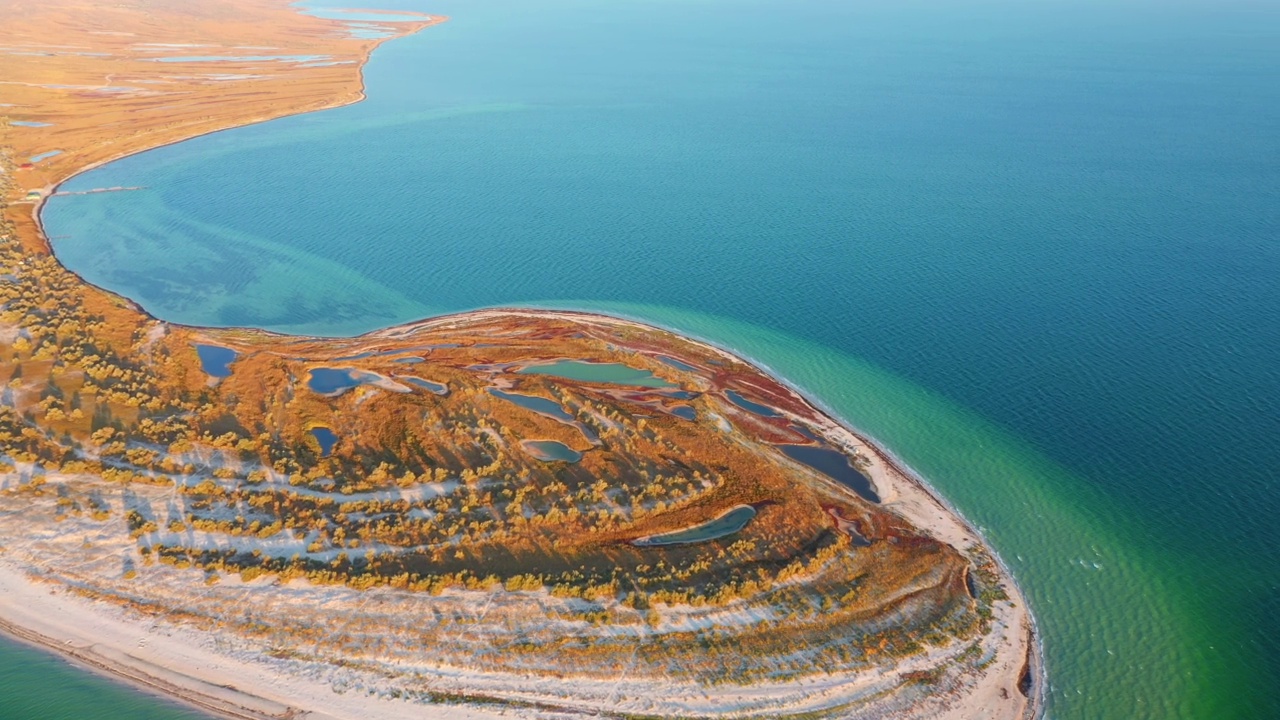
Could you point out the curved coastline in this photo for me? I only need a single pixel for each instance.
(359, 95)
(836, 426)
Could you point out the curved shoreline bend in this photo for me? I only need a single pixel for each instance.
(178, 527)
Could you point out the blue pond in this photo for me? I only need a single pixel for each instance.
(540, 405)
(755, 407)
(335, 381)
(355, 16)
(326, 438)
(722, 525)
(551, 451)
(835, 465)
(805, 432)
(216, 360)
(435, 387)
(677, 364)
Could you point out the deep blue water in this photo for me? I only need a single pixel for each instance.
(1033, 247)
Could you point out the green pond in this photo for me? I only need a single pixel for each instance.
(614, 373)
(723, 525)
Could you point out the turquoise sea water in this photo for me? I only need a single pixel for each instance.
(1033, 247)
(37, 686)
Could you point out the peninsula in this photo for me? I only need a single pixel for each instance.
(498, 513)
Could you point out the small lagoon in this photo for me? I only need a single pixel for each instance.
(722, 525)
(835, 465)
(435, 387)
(327, 439)
(215, 360)
(551, 451)
(614, 373)
(685, 411)
(540, 405)
(677, 364)
(331, 381)
(749, 406)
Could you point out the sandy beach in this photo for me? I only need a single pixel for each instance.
(173, 662)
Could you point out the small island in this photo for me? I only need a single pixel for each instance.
(499, 513)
